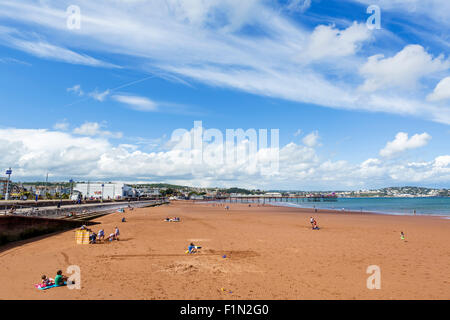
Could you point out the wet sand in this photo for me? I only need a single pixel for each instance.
(271, 253)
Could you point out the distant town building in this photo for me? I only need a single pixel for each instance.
(273, 194)
(149, 192)
(104, 190)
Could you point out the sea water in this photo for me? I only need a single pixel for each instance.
(439, 206)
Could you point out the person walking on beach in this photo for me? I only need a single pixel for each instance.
(116, 233)
(312, 222)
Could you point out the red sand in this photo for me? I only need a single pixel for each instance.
(271, 253)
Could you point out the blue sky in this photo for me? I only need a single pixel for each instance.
(355, 107)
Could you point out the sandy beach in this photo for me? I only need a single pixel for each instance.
(271, 253)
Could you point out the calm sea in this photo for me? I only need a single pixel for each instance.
(403, 206)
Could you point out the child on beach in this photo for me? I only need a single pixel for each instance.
(46, 281)
(402, 235)
(60, 278)
(116, 233)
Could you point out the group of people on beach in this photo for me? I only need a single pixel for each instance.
(174, 219)
(60, 280)
(94, 237)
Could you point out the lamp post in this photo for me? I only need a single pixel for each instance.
(103, 187)
(71, 188)
(8, 173)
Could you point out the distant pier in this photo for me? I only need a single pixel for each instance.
(267, 199)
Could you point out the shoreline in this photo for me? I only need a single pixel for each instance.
(381, 212)
(384, 213)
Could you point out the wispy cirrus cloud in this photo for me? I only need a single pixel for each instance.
(284, 60)
(136, 102)
(76, 89)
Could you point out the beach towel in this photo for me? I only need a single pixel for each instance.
(39, 286)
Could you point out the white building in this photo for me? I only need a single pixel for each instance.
(149, 192)
(104, 190)
(272, 194)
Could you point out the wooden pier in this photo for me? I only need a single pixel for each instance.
(268, 199)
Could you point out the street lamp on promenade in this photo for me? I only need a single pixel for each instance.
(8, 173)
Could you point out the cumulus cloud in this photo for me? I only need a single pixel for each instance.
(402, 70)
(329, 42)
(402, 143)
(34, 151)
(95, 129)
(442, 91)
(312, 139)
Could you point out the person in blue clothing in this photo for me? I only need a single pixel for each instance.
(193, 248)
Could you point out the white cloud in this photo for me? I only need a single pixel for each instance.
(76, 89)
(402, 143)
(100, 96)
(34, 151)
(329, 42)
(312, 139)
(298, 132)
(137, 102)
(442, 91)
(402, 70)
(436, 10)
(95, 129)
(298, 5)
(61, 126)
(43, 49)
(214, 51)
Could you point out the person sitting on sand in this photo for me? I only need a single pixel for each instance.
(111, 237)
(92, 237)
(123, 219)
(192, 248)
(46, 281)
(402, 235)
(60, 278)
(101, 234)
(315, 226)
